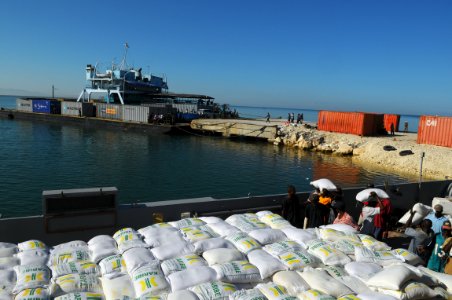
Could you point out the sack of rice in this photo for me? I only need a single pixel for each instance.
(149, 296)
(128, 238)
(222, 255)
(196, 235)
(33, 257)
(211, 220)
(31, 276)
(341, 227)
(267, 264)
(278, 248)
(214, 243)
(411, 291)
(173, 250)
(112, 264)
(364, 195)
(187, 278)
(32, 245)
(102, 248)
(274, 291)
(275, 221)
(324, 184)
(251, 294)
(66, 255)
(33, 294)
(346, 246)
(375, 296)
(443, 278)
(223, 229)
(328, 234)
(291, 281)
(5, 295)
(392, 277)
(214, 290)
(7, 280)
(188, 222)
(407, 256)
(75, 283)
(349, 297)
(137, 257)
(75, 267)
(240, 271)
(314, 295)
(298, 260)
(70, 245)
(99, 239)
(362, 270)
(373, 244)
(170, 266)
(327, 254)
(301, 236)
(182, 295)
(420, 212)
(267, 235)
(163, 237)
(149, 279)
(243, 242)
(163, 228)
(8, 249)
(262, 213)
(10, 262)
(118, 286)
(383, 258)
(81, 296)
(246, 223)
(320, 280)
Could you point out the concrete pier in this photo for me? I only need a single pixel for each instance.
(235, 127)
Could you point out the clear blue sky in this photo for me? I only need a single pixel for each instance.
(385, 56)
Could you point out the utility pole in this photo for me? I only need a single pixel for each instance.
(53, 91)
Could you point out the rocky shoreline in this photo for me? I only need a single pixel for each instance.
(437, 163)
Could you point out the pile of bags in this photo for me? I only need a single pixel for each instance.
(245, 257)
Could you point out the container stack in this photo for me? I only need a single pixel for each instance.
(246, 256)
(435, 130)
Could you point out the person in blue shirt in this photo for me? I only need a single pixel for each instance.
(437, 218)
(437, 260)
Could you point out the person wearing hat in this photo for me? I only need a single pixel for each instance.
(437, 218)
(342, 217)
(438, 258)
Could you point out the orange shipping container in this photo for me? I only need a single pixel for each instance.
(435, 131)
(358, 123)
(391, 119)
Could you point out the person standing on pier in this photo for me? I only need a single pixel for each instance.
(392, 128)
(268, 117)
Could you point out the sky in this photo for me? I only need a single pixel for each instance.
(387, 56)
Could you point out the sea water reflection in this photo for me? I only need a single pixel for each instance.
(39, 156)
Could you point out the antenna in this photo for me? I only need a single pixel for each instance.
(123, 65)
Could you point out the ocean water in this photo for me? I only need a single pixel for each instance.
(36, 156)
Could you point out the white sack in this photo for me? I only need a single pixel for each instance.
(149, 279)
(214, 243)
(7, 280)
(392, 277)
(136, 258)
(243, 242)
(191, 277)
(211, 220)
(327, 254)
(222, 255)
(223, 228)
(301, 236)
(118, 286)
(8, 249)
(267, 235)
(314, 295)
(324, 183)
(76, 267)
(173, 250)
(32, 245)
(162, 237)
(278, 248)
(33, 294)
(74, 283)
(364, 195)
(321, 281)
(182, 295)
(341, 227)
(188, 222)
(421, 211)
(274, 291)
(250, 294)
(298, 260)
(275, 221)
(362, 270)
(112, 264)
(237, 272)
(170, 266)
(375, 296)
(81, 296)
(31, 276)
(291, 281)
(214, 290)
(9, 262)
(267, 264)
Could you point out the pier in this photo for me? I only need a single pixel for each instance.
(239, 127)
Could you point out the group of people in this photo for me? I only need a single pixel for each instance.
(291, 118)
(431, 240)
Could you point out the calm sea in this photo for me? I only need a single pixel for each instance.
(36, 156)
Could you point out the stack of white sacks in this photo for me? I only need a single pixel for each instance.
(245, 257)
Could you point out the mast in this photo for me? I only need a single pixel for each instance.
(123, 65)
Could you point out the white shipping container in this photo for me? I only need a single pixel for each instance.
(109, 111)
(69, 108)
(24, 105)
(134, 113)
